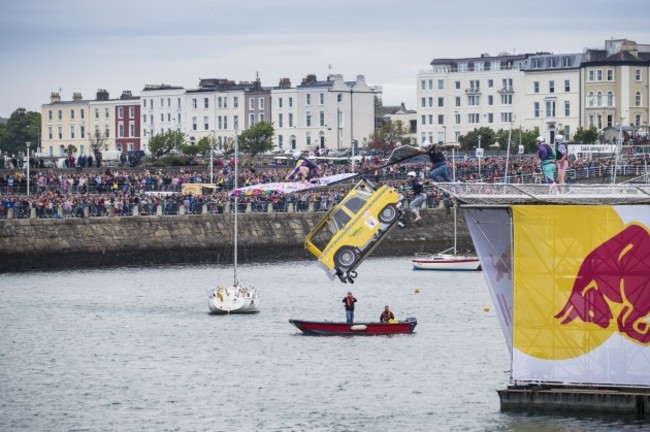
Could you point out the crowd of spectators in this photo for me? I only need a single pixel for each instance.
(103, 191)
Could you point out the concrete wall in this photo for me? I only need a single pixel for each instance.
(27, 244)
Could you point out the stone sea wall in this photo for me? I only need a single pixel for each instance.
(47, 244)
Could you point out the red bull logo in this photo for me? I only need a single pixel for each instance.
(615, 273)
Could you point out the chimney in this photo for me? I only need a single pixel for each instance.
(309, 79)
(285, 83)
(55, 97)
(77, 97)
(102, 95)
(126, 94)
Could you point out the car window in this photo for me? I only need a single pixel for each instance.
(355, 203)
(341, 218)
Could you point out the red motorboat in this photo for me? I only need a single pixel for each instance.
(330, 328)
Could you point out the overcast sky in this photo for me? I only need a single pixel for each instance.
(85, 45)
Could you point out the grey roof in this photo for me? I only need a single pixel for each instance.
(574, 61)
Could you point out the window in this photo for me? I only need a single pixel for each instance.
(566, 61)
(536, 86)
(490, 83)
(457, 101)
(144, 103)
(60, 132)
(599, 99)
(424, 102)
(457, 84)
(610, 74)
(219, 102)
(261, 102)
(49, 115)
(424, 119)
(506, 117)
(567, 108)
(308, 138)
(291, 102)
(473, 100)
(71, 132)
(490, 118)
(550, 108)
(131, 112)
(260, 117)
(321, 99)
(637, 75)
(441, 102)
(473, 118)
(251, 120)
(430, 118)
(307, 99)
(279, 102)
(423, 84)
(194, 103)
(536, 63)
(206, 103)
(441, 119)
(441, 84)
(536, 112)
(144, 118)
(82, 114)
(430, 83)
(290, 119)
(219, 122)
(457, 118)
(308, 119)
(610, 98)
(551, 62)
(82, 132)
(590, 99)
(599, 75)
(131, 129)
(206, 123)
(235, 102)
(71, 114)
(120, 113)
(506, 99)
(490, 100)
(178, 102)
(251, 103)
(321, 118)
(591, 75)
(637, 99)
(61, 115)
(551, 86)
(120, 130)
(194, 123)
(474, 85)
(339, 98)
(430, 102)
(567, 86)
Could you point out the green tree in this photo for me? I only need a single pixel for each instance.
(527, 138)
(203, 145)
(257, 139)
(388, 136)
(189, 149)
(22, 126)
(163, 143)
(470, 141)
(586, 136)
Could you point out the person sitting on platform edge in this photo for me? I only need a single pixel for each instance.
(439, 164)
(349, 301)
(386, 316)
(304, 169)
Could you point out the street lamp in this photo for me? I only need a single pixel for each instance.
(212, 144)
(479, 155)
(27, 144)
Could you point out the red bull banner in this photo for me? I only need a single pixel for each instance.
(581, 294)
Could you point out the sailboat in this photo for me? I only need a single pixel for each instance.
(449, 259)
(236, 298)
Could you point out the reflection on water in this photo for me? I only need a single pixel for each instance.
(135, 349)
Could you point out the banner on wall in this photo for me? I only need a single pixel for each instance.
(581, 294)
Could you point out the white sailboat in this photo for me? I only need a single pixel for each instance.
(236, 298)
(448, 259)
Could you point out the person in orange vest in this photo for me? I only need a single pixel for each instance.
(386, 315)
(349, 302)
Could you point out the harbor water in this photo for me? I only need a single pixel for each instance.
(134, 349)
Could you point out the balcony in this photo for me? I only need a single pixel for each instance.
(506, 90)
(473, 91)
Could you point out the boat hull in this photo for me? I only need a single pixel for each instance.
(447, 263)
(329, 328)
(233, 300)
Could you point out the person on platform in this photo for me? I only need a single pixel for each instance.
(349, 302)
(546, 155)
(561, 160)
(304, 170)
(439, 167)
(386, 315)
(419, 195)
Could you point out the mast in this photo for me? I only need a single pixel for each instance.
(236, 199)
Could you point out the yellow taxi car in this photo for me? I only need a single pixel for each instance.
(353, 228)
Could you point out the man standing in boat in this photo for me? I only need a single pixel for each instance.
(349, 302)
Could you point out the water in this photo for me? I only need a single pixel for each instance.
(135, 350)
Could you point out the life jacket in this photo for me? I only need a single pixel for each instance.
(550, 153)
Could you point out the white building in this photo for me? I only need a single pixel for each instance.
(162, 109)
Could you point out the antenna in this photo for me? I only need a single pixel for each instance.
(329, 69)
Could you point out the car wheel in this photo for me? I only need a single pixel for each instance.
(388, 214)
(345, 257)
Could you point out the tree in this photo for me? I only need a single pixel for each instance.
(257, 139)
(527, 138)
(204, 144)
(389, 136)
(21, 126)
(163, 143)
(586, 136)
(470, 141)
(97, 142)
